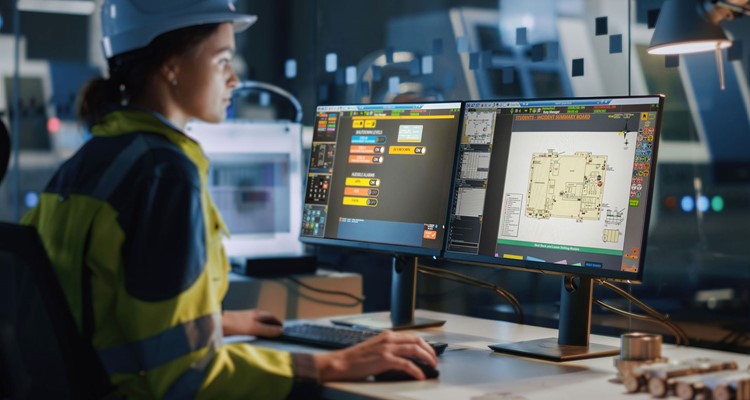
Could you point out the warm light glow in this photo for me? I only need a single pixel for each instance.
(689, 47)
(53, 125)
(670, 202)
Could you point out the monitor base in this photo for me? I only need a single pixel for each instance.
(549, 349)
(382, 322)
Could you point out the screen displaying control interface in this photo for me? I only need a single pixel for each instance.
(381, 174)
(560, 185)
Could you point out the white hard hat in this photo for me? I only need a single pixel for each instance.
(132, 24)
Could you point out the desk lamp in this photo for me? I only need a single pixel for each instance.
(691, 26)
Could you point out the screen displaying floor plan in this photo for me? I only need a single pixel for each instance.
(562, 187)
(558, 185)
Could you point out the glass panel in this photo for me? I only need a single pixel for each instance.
(343, 52)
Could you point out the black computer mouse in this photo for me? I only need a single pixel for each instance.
(397, 375)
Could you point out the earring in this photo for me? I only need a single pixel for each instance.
(123, 95)
(173, 82)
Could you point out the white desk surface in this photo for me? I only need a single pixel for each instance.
(469, 370)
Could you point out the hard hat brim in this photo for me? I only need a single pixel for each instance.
(132, 40)
(244, 22)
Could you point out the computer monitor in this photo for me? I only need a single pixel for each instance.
(255, 180)
(558, 186)
(380, 179)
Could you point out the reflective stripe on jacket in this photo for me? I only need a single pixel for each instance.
(136, 242)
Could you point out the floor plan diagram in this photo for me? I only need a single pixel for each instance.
(566, 186)
(611, 235)
(614, 217)
(479, 126)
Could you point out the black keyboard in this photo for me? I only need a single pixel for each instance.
(335, 337)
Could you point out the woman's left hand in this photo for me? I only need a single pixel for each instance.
(251, 322)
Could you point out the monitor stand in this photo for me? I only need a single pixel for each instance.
(574, 328)
(403, 301)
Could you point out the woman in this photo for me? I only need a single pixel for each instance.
(136, 239)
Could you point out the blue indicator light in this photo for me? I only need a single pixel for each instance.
(687, 203)
(31, 199)
(703, 203)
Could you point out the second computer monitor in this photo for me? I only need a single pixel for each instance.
(561, 186)
(558, 185)
(380, 176)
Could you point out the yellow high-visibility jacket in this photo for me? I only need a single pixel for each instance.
(135, 239)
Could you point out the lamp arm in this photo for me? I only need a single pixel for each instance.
(736, 8)
(246, 85)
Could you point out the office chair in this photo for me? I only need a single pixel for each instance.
(42, 353)
(4, 149)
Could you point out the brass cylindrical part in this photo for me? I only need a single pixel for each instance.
(640, 346)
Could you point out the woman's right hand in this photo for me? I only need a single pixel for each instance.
(387, 351)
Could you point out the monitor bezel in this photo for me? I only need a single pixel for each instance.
(387, 247)
(561, 269)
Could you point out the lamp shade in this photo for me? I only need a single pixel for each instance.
(682, 28)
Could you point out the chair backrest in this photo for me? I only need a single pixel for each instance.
(42, 353)
(4, 150)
